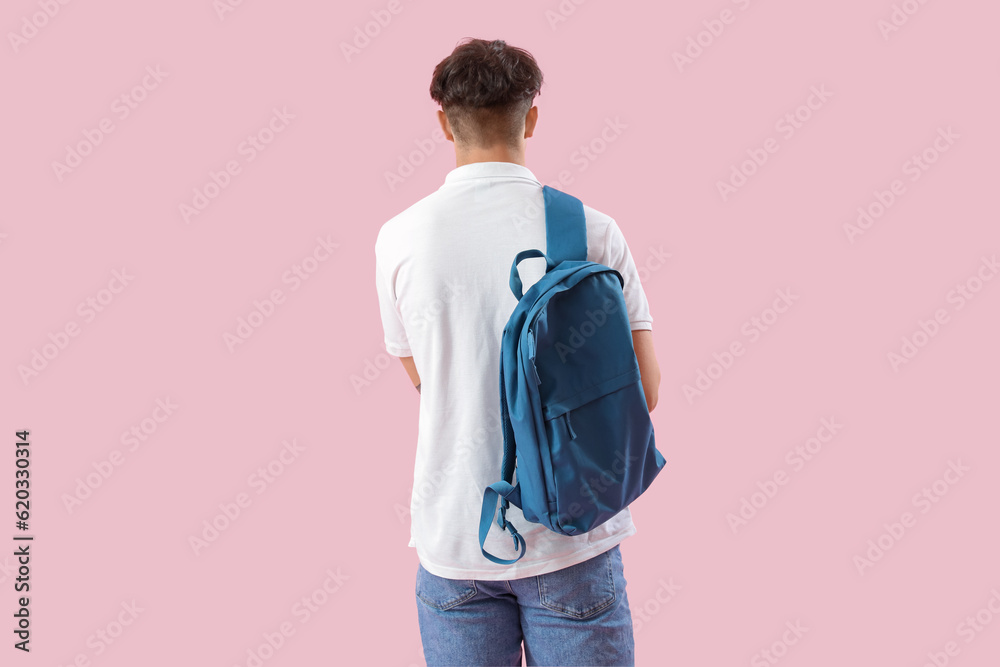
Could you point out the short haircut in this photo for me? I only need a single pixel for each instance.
(486, 89)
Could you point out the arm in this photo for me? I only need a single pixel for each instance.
(649, 368)
(616, 254)
(411, 370)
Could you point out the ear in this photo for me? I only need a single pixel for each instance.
(445, 126)
(529, 122)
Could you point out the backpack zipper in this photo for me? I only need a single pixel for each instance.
(531, 356)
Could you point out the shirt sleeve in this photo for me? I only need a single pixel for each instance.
(618, 257)
(394, 332)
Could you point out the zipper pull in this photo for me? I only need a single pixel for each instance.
(569, 426)
(531, 357)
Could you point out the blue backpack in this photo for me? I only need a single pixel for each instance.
(572, 408)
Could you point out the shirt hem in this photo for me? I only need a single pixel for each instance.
(398, 351)
(520, 571)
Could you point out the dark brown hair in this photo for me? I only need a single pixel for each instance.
(485, 89)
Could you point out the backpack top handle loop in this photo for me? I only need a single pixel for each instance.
(515, 279)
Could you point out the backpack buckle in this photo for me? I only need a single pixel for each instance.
(503, 523)
(514, 534)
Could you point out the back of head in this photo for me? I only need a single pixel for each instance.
(485, 89)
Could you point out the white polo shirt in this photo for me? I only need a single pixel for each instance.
(442, 272)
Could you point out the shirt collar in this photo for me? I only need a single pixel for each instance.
(489, 170)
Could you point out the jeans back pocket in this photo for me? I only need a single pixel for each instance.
(440, 593)
(581, 590)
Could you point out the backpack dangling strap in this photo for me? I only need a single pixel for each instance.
(502, 489)
(499, 490)
(565, 226)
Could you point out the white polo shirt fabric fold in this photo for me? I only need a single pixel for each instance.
(442, 270)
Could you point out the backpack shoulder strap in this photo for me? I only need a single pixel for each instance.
(565, 226)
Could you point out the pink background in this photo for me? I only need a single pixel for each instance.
(333, 507)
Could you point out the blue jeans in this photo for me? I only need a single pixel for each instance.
(578, 615)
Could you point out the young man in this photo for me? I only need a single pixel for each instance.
(442, 271)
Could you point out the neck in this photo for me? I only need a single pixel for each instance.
(465, 156)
